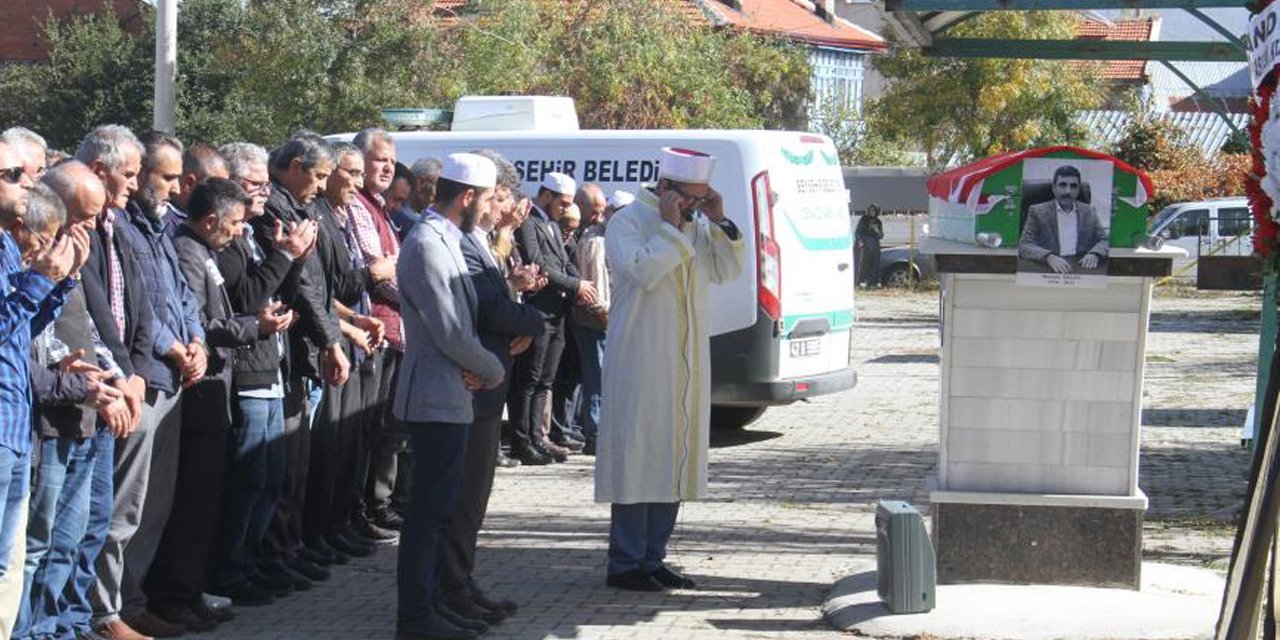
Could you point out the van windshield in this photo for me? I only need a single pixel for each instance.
(1162, 217)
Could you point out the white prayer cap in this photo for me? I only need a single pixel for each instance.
(620, 199)
(470, 169)
(560, 183)
(571, 212)
(686, 165)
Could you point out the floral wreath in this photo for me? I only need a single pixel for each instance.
(1266, 231)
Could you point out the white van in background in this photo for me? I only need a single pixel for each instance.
(781, 330)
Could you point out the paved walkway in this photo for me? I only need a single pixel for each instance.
(792, 498)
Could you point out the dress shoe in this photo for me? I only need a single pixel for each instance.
(216, 614)
(557, 452)
(373, 533)
(388, 519)
(322, 548)
(150, 624)
(469, 609)
(570, 441)
(343, 542)
(322, 556)
(244, 594)
(531, 457)
(437, 628)
(485, 602)
(282, 573)
(278, 586)
(503, 461)
(672, 580)
(117, 629)
(309, 569)
(589, 449)
(187, 618)
(461, 621)
(633, 580)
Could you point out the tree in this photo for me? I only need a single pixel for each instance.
(959, 109)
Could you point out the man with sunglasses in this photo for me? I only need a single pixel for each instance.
(33, 148)
(663, 253)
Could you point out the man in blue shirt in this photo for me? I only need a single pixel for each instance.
(32, 297)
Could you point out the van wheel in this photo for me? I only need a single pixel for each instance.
(899, 275)
(726, 417)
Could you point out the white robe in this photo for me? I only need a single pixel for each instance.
(655, 419)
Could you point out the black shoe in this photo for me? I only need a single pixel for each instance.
(299, 581)
(633, 580)
(309, 569)
(672, 580)
(152, 625)
(505, 462)
(277, 586)
(388, 519)
(572, 442)
(436, 629)
(216, 614)
(469, 609)
(558, 454)
(243, 594)
(461, 621)
(322, 547)
(318, 555)
(373, 533)
(184, 616)
(506, 606)
(344, 542)
(531, 457)
(589, 449)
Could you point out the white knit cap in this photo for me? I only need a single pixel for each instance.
(686, 165)
(571, 212)
(470, 169)
(560, 183)
(620, 199)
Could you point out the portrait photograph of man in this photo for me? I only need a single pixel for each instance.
(1066, 226)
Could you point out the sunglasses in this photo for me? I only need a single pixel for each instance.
(12, 175)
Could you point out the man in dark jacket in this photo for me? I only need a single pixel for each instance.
(255, 479)
(299, 168)
(216, 217)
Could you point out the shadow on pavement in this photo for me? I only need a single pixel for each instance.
(1193, 417)
(906, 358)
(736, 437)
(1205, 321)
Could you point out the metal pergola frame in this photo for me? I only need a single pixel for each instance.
(925, 22)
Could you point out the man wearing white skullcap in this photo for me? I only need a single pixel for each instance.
(540, 242)
(663, 252)
(444, 362)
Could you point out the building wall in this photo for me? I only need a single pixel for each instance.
(22, 38)
(838, 77)
(869, 16)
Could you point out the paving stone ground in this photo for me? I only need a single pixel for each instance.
(791, 503)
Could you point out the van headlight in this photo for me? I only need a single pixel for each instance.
(989, 239)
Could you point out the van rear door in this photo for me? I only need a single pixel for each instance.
(812, 230)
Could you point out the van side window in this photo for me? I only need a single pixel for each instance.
(1192, 222)
(1234, 221)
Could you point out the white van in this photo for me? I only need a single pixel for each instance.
(1221, 226)
(780, 331)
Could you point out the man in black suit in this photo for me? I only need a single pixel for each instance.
(506, 329)
(539, 242)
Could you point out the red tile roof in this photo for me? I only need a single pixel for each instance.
(795, 19)
(1139, 30)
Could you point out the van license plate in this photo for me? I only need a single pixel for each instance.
(806, 347)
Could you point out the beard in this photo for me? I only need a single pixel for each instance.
(470, 214)
(149, 202)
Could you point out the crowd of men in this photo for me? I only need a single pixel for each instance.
(202, 352)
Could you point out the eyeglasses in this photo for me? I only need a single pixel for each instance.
(697, 200)
(12, 175)
(254, 186)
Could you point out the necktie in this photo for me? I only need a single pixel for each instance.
(116, 279)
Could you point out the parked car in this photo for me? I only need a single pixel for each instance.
(896, 269)
(1219, 225)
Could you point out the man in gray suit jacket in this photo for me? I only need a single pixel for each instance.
(444, 361)
(1064, 229)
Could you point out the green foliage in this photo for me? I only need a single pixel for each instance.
(261, 70)
(857, 143)
(1151, 143)
(960, 109)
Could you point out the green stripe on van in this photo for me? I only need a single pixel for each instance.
(838, 243)
(839, 320)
